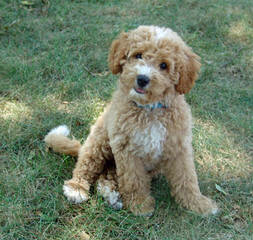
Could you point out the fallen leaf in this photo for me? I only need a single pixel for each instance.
(27, 3)
(220, 189)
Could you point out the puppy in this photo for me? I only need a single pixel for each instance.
(144, 131)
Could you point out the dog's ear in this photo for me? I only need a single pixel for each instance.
(188, 71)
(118, 53)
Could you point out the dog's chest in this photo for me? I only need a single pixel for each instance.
(149, 139)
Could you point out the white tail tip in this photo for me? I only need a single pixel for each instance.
(60, 130)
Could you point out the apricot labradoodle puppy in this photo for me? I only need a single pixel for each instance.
(144, 131)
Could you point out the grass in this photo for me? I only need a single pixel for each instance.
(53, 70)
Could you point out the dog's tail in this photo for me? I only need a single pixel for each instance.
(57, 140)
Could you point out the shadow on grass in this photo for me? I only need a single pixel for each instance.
(44, 84)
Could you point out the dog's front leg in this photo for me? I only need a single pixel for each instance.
(182, 177)
(91, 160)
(134, 184)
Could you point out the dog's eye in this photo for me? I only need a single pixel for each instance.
(163, 66)
(138, 56)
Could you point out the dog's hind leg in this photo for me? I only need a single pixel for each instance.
(90, 164)
(107, 187)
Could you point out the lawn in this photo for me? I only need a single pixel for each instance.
(53, 70)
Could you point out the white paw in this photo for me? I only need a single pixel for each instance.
(60, 130)
(73, 195)
(118, 205)
(111, 196)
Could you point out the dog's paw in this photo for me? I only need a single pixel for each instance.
(111, 196)
(213, 210)
(206, 206)
(143, 207)
(75, 195)
(209, 207)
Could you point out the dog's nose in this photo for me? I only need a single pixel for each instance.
(142, 80)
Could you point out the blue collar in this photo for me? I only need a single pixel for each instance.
(151, 106)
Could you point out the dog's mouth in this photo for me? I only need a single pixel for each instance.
(139, 90)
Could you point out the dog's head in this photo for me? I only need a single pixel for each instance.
(155, 64)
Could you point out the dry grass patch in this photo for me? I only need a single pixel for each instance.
(218, 154)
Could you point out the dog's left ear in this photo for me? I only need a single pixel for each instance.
(188, 71)
(118, 53)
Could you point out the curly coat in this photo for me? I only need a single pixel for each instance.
(132, 140)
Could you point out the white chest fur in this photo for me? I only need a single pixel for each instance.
(150, 139)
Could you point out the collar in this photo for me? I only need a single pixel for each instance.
(151, 106)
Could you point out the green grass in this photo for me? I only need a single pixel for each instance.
(53, 70)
